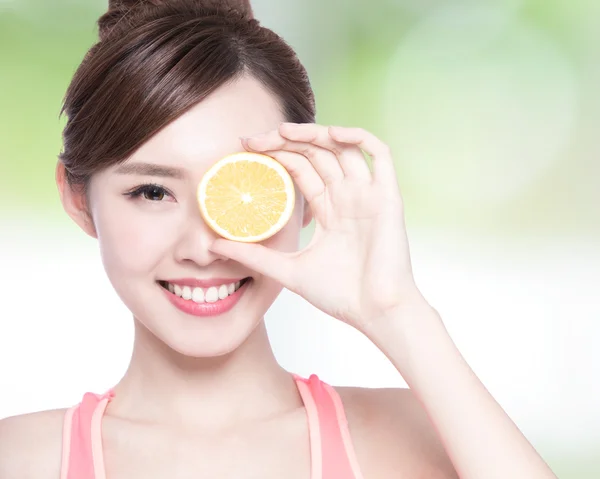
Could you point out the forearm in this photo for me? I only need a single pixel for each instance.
(479, 437)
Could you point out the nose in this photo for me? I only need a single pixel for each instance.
(194, 239)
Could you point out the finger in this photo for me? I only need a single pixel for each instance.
(259, 258)
(302, 172)
(383, 164)
(350, 157)
(324, 161)
(300, 169)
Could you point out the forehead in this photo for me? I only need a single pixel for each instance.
(213, 127)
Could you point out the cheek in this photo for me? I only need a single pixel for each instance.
(133, 240)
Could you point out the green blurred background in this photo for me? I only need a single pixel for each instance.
(491, 108)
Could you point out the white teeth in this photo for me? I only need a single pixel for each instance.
(198, 295)
(201, 295)
(223, 293)
(212, 295)
(186, 293)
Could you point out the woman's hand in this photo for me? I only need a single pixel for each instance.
(357, 267)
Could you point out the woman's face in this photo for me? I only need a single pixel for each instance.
(160, 236)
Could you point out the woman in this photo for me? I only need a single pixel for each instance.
(171, 87)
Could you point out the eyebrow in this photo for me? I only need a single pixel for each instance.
(149, 169)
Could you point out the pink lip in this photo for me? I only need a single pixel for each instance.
(203, 283)
(206, 309)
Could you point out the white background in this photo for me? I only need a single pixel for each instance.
(525, 315)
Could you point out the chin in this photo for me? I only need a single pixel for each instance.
(207, 335)
(211, 344)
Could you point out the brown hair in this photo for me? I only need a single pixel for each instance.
(158, 58)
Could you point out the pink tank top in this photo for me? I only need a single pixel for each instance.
(332, 453)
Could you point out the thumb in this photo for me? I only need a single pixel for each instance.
(266, 261)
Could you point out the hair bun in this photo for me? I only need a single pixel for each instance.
(114, 4)
(127, 11)
(243, 6)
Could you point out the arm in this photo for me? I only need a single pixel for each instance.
(357, 269)
(478, 436)
(30, 445)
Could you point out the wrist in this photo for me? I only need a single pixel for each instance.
(409, 334)
(413, 308)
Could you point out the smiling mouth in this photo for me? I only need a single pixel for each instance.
(199, 295)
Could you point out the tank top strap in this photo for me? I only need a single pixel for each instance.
(332, 452)
(81, 445)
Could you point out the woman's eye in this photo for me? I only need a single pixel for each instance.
(149, 192)
(154, 194)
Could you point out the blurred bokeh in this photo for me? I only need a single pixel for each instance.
(492, 109)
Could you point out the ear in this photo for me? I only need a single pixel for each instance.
(307, 214)
(74, 202)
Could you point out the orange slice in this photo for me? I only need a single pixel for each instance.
(246, 197)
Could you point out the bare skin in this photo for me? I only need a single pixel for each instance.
(391, 433)
(193, 400)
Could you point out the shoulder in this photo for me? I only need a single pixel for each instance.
(392, 434)
(31, 445)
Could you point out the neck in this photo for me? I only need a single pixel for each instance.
(162, 385)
